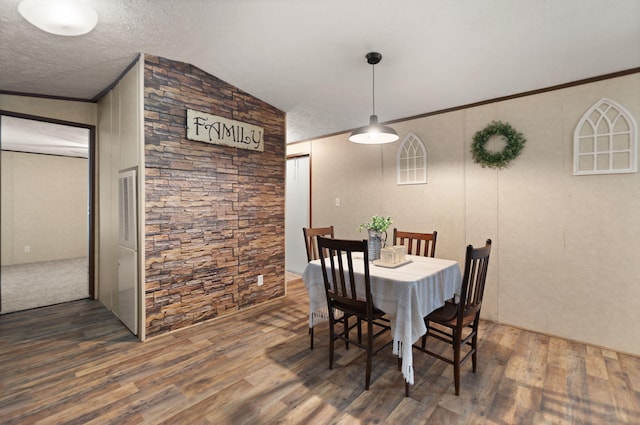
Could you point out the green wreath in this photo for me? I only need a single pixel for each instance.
(501, 159)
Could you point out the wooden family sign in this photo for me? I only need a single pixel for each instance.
(203, 127)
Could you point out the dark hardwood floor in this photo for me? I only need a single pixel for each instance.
(75, 363)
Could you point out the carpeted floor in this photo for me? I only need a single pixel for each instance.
(26, 286)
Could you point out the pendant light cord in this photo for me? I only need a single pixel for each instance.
(374, 88)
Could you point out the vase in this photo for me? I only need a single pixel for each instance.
(375, 243)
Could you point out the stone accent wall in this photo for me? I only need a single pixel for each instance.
(214, 214)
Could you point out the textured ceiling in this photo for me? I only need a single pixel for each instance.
(307, 57)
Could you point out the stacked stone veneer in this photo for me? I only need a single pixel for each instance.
(214, 214)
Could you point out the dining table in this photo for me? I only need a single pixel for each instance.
(406, 293)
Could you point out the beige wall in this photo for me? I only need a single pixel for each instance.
(118, 117)
(65, 110)
(44, 207)
(564, 260)
(300, 148)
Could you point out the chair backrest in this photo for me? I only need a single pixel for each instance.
(423, 244)
(310, 234)
(337, 260)
(473, 281)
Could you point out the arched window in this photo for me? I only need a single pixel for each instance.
(605, 141)
(411, 163)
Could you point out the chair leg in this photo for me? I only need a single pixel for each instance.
(474, 359)
(369, 355)
(346, 331)
(406, 388)
(311, 337)
(456, 361)
(474, 345)
(424, 337)
(332, 341)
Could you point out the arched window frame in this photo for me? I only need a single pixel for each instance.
(408, 170)
(607, 112)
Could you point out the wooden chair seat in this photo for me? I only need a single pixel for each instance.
(444, 314)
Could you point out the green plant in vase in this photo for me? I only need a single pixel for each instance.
(377, 223)
(377, 228)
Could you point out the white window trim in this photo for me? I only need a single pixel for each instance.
(633, 136)
(410, 137)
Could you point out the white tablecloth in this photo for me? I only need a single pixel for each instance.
(407, 294)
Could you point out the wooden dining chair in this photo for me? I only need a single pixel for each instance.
(344, 300)
(310, 235)
(423, 244)
(457, 323)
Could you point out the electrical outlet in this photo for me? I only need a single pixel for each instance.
(27, 248)
(260, 280)
(337, 202)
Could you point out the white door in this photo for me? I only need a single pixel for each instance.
(297, 198)
(127, 288)
(128, 250)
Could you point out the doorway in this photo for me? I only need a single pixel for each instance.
(297, 212)
(46, 219)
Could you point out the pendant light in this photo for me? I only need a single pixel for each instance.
(374, 133)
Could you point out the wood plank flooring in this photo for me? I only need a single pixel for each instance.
(75, 363)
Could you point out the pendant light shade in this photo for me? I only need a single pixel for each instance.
(374, 133)
(60, 17)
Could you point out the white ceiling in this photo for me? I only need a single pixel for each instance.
(24, 135)
(307, 57)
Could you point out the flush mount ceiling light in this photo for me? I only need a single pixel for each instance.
(60, 17)
(374, 133)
